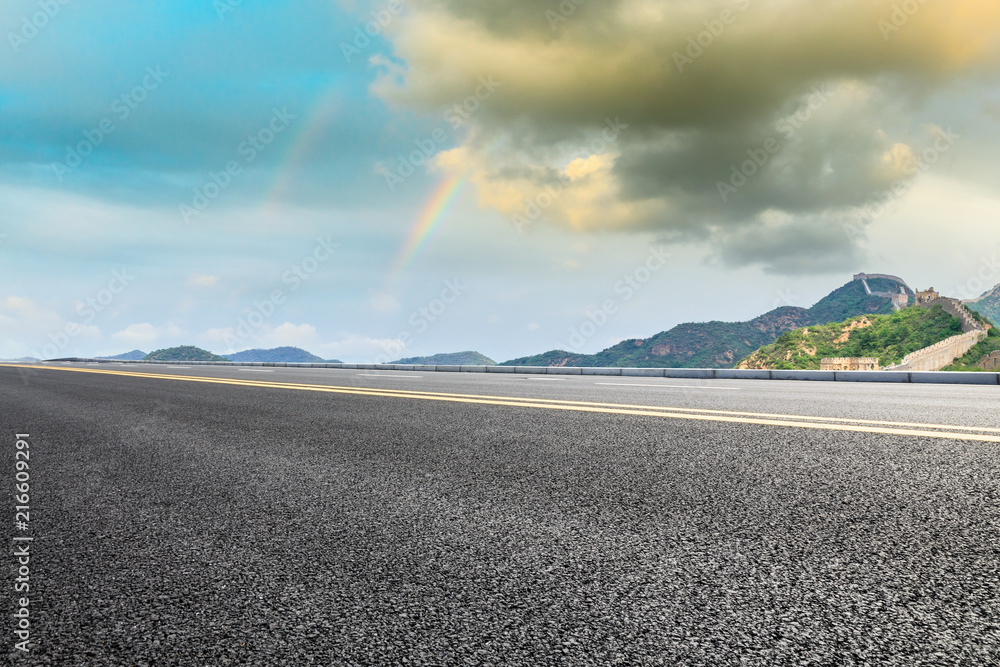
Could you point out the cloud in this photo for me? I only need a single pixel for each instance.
(620, 58)
(383, 302)
(233, 339)
(584, 194)
(289, 334)
(145, 334)
(345, 346)
(16, 312)
(202, 281)
(801, 108)
(40, 331)
(364, 349)
(569, 264)
(136, 334)
(782, 245)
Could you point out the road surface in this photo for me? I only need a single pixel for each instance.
(270, 516)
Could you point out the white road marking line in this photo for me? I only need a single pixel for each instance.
(666, 386)
(178, 367)
(548, 379)
(383, 375)
(255, 370)
(663, 412)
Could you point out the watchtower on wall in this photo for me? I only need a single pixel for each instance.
(927, 297)
(849, 364)
(991, 362)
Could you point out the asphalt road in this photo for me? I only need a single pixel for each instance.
(500, 520)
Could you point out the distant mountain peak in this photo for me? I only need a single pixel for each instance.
(469, 358)
(721, 344)
(286, 355)
(183, 353)
(134, 355)
(887, 338)
(987, 305)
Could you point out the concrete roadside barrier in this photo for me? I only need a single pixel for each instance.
(602, 371)
(937, 377)
(741, 374)
(872, 376)
(689, 373)
(805, 376)
(643, 372)
(914, 377)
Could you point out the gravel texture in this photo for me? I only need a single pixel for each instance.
(183, 523)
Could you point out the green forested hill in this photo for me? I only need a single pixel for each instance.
(134, 355)
(851, 300)
(988, 305)
(886, 337)
(451, 359)
(183, 353)
(722, 344)
(278, 354)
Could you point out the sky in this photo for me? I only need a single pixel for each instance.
(377, 180)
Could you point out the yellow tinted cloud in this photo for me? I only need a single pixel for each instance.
(585, 195)
(701, 85)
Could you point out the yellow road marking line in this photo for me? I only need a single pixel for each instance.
(841, 420)
(278, 384)
(819, 423)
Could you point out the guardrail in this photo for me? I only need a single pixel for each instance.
(913, 377)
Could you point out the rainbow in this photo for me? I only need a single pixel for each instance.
(308, 132)
(321, 115)
(435, 212)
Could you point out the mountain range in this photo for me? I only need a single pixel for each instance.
(888, 338)
(287, 355)
(691, 345)
(183, 353)
(988, 305)
(722, 344)
(452, 359)
(191, 353)
(134, 355)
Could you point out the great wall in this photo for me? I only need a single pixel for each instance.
(944, 353)
(934, 357)
(899, 301)
(939, 355)
(884, 276)
(849, 364)
(990, 362)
